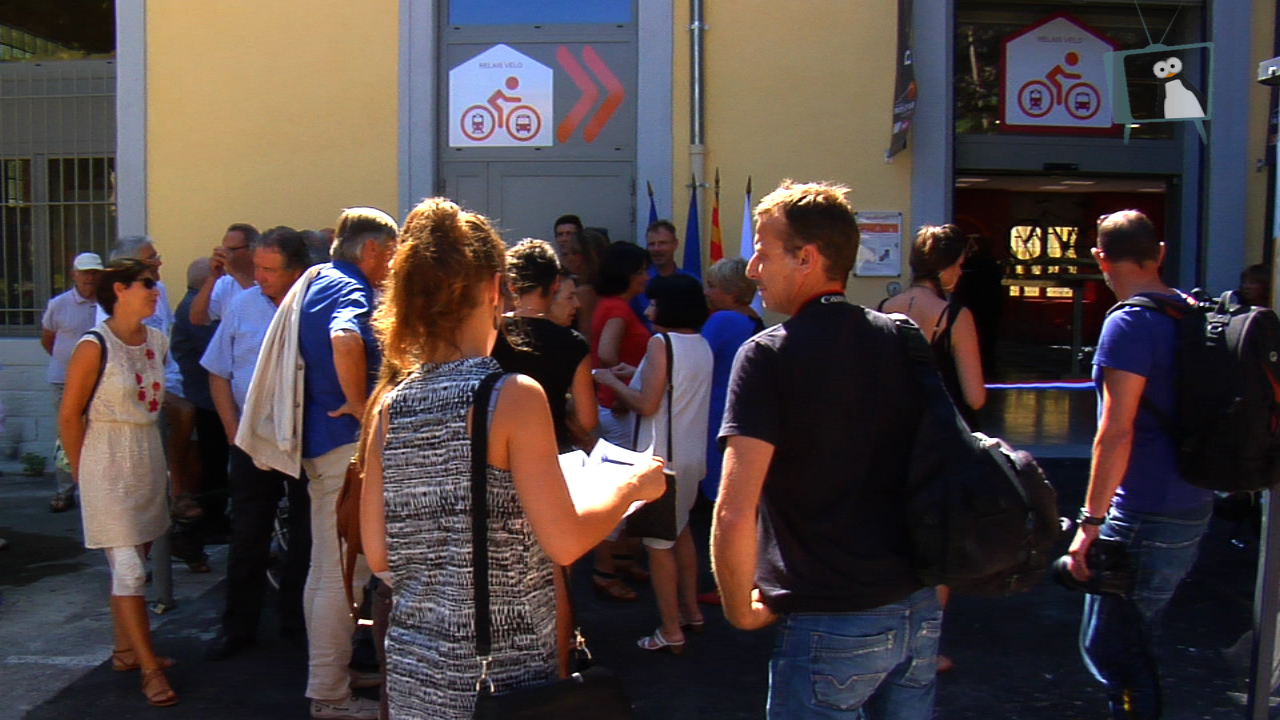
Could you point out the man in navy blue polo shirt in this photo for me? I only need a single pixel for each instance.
(337, 344)
(810, 524)
(1136, 493)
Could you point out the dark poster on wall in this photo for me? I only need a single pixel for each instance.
(904, 93)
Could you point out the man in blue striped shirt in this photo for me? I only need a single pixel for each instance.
(279, 258)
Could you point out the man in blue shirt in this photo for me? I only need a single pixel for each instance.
(1136, 493)
(662, 243)
(279, 258)
(337, 344)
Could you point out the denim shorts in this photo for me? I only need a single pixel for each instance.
(879, 663)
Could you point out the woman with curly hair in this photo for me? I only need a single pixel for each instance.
(437, 325)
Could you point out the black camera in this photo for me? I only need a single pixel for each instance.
(1111, 570)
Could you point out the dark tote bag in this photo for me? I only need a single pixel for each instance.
(592, 693)
(657, 518)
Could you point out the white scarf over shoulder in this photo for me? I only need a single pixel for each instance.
(271, 422)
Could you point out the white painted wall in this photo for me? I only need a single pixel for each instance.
(31, 424)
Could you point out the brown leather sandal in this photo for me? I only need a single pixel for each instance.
(608, 586)
(156, 689)
(119, 663)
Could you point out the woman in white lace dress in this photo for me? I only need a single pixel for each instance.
(108, 426)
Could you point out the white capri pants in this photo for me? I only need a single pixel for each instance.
(128, 570)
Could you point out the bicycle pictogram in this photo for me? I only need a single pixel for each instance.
(521, 122)
(1037, 98)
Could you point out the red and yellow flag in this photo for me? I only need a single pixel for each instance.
(717, 243)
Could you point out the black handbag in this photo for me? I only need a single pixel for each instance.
(657, 518)
(592, 693)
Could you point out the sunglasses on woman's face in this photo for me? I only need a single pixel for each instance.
(147, 283)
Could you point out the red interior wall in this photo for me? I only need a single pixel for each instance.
(1044, 320)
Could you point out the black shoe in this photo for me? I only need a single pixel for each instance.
(224, 646)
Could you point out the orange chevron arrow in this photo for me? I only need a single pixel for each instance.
(565, 129)
(611, 101)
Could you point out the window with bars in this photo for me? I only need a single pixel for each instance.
(51, 210)
(57, 180)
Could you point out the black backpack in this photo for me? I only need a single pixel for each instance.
(983, 517)
(1227, 419)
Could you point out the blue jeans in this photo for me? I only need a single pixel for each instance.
(1117, 636)
(879, 663)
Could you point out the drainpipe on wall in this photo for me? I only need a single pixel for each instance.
(697, 151)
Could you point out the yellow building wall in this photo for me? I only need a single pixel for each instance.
(785, 98)
(812, 100)
(1262, 39)
(266, 112)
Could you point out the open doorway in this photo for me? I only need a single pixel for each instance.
(1036, 294)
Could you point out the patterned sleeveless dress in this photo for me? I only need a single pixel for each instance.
(431, 657)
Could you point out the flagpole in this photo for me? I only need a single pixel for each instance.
(746, 246)
(692, 239)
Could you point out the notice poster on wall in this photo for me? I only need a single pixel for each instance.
(880, 244)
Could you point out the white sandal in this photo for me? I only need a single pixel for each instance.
(656, 641)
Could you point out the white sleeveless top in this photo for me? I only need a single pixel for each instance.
(691, 392)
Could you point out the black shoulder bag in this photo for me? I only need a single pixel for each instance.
(592, 693)
(657, 518)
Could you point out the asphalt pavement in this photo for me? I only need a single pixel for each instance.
(1015, 657)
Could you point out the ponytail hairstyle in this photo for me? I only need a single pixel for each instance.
(532, 266)
(936, 248)
(445, 256)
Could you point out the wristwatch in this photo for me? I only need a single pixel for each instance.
(1084, 518)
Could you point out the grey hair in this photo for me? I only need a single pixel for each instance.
(128, 246)
(730, 275)
(358, 225)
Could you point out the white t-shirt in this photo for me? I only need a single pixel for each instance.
(68, 316)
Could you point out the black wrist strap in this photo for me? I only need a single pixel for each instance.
(1084, 518)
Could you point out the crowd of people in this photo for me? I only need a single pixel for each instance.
(294, 353)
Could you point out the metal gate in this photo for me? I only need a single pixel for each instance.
(57, 179)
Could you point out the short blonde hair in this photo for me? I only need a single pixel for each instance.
(730, 275)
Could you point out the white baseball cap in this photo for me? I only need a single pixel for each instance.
(87, 261)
